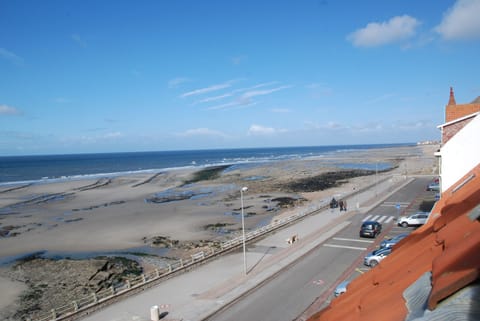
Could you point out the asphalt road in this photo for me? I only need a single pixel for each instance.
(316, 275)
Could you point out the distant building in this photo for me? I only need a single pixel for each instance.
(460, 150)
(455, 111)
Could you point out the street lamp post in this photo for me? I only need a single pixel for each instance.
(244, 189)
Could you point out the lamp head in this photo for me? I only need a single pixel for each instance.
(244, 189)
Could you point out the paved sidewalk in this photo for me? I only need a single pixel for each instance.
(194, 295)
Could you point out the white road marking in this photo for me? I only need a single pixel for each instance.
(379, 218)
(390, 218)
(345, 247)
(353, 240)
(367, 218)
(395, 203)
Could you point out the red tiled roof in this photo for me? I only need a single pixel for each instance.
(447, 246)
(454, 111)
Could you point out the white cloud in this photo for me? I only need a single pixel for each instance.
(8, 110)
(333, 125)
(240, 97)
(100, 138)
(215, 98)
(231, 94)
(265, 84)
(376, 34)
(207, 89)
(10, 56)
(330, 125)
(462, 21)
(201, 132)
(233, 104)
(258, 130)
(254, 93)
(79, 40)
(112, 135)
(176, 82)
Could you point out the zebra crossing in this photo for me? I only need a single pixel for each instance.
(395, 204)
(385, 219)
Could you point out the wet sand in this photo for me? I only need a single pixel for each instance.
(128, 213)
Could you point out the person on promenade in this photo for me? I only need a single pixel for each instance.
(333, 203)
(341, 205)
(345, 206)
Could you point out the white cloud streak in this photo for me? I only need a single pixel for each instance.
(233, 93)
(259, 130)
(232, 104)
(8, 110)
(376, 34)
(10, 56)
(462, 21)
(215, 98)
(254, 93)
(244, 99)
(201, 132)
(207, 89)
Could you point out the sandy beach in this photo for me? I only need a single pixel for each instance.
(85, 218)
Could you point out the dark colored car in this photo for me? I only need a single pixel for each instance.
(370, 229)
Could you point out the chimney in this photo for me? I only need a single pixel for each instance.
(451, 101)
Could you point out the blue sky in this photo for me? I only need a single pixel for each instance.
(105, 76)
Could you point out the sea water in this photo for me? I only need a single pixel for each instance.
(47, 168)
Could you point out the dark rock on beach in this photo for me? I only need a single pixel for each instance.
(54, 283)
(325, 180)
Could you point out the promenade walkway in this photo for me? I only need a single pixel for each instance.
(194, 295)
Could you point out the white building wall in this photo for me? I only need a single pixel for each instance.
(460, 154)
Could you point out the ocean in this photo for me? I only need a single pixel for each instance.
(47, 168)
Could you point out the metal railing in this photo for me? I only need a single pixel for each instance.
(94, 299)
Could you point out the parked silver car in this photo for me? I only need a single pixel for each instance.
(433, 187)
(373, 258)
(413, 220)
(341, 288)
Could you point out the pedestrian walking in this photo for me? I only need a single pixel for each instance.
(345, 206)
(341, 205)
